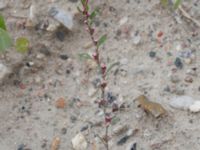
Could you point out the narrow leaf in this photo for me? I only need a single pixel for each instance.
(101, 40)
(22, 45)
(2, 23)
(93, 14)
(5, 40)
(111, 66)
(78, 8)
(176, 4)
(84, 56)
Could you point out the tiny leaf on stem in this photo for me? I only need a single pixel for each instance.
(84, 56)
(78, 8)
(22, 45)
(2, 23)
(176, 4)
(111, 66)
(5, 40)
(101, 40)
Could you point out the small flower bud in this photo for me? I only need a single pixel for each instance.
(102, 102)
(115, 107)
(96, 42)
(108, 119)
(85, 21)
(103, 68)
(94, 55)
(92, 31)
(103, 84)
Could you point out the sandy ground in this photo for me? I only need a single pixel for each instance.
(29, 118)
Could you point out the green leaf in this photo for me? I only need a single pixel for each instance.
(176, 4)
(164, 2)
(83, 2)
(115, 120)
(2, 23)
(78, 8)
(84, 56)
(5, 40)
(111, 66)
(22, 45)
(93, 14)
(101, 40)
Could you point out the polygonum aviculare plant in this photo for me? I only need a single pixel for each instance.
(103, 69)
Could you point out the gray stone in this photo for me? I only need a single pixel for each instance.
(182, 102)
(62, 16)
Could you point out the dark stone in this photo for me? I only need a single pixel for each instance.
(44, 50)
(123, 140)
(68, 71)
(178, 63)
(84, 128)
(63, 131)
(64, 57)
(152, 54)
(73, 119)
(134, 146)
(60, 35)
(110, 97)
(96, 83)
(21, 147)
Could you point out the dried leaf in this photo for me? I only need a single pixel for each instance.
(55, 143)
(22, 45)
(151, 107)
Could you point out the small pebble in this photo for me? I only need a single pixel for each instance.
(178, 63)
(84, 128)
(64, 57)
(79, 142)
(123, 140)
(60, 35)
(63, 131)
(55, 143)
(182, 102)
(195, 107)
(152, 54)
(174, 78)
(188, 79)
(61, 103)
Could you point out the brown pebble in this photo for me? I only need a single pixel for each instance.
(61, 103)
(55, 143)
(188, 79)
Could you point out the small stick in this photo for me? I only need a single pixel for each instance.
(187, 15)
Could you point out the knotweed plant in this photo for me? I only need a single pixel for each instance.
(103, 103)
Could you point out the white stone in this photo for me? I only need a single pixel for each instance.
(124, 61)
(3, 71)
(182, 102)
(123, 21)
(136, 39)
(79, 142)
(195, 107)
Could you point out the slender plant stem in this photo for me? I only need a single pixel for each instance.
(99, 63)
